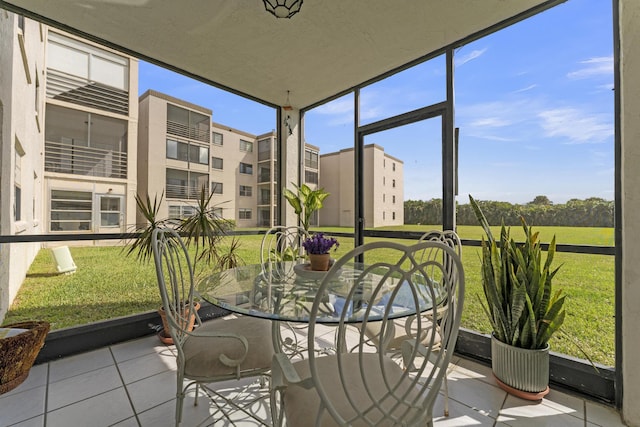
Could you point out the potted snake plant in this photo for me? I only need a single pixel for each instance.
(522, 307)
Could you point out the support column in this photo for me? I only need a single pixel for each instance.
(628, 92)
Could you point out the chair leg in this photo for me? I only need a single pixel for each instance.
(195, 400)
(179, 399)
(446, 397)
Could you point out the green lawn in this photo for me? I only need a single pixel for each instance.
(108, 284)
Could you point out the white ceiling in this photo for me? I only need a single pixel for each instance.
(327, 48)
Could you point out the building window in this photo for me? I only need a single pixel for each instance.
(183, 184)
(188, 124)
(393, 166)
(264, 174)
(17, 206)
(110, 211)
(217, 138)
(216, 163)
(178, 211)
(17, 179)
(246, 146)
(71, 210)
(82, 143)
(37, 100)
(383, 215)
(393, 199)
(216, 187)
(393, 215)
(217, 212)
(86, 75)
(393, 183)
(245, 190)
(244, 213)
(311, 159)
(310, 177)
(264, 149)
(198, 154)
(187, 152)
(246, 168)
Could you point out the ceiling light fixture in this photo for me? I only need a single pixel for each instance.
(282, 8)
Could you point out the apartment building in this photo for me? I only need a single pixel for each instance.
(22, 62)
(181, 150)
(91, 124)
(383, 188)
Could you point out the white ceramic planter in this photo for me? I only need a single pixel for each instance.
(523, 369)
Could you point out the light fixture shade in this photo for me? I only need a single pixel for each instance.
(282, 8)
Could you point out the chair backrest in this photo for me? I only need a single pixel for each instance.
(448, 237)
(281, 248)
(282, 243)
(402, 278)
(175, 281)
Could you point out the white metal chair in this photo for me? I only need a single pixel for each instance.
(219, 350)
(282, 246)
(366, 386)
(280, 250)
(403, 329)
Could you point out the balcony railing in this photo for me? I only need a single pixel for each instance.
(186, 131)
(81, 91)
(88, 161)
(184, 191)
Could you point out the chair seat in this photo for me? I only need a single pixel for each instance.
(302, 404)
(202, 353)
(397, 333)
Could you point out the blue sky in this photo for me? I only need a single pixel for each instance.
(534, 104)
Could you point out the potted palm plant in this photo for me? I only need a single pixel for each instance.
(522, 307)
(203, 229)
(305, 202)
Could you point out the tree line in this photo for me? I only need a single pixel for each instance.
(591, 212)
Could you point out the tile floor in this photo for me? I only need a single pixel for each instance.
(133, 384)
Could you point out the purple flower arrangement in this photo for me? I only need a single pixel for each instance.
(318, 244)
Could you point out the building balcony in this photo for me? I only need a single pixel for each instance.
(66, 87)
(184, 191)
(86, 161)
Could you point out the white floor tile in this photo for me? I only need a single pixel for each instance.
(565, 403)
(147, 365)
(476, 394)
(136, 348)
(83, 386)
(16, 407)
(129, 422)
(459, 415)
(79, 364)
(519, 412)
(103, 410)
(32, 422)
(152, 391)
(602, 415)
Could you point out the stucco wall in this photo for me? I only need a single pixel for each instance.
(21, 78)
(630, 136)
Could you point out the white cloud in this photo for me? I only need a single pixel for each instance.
(524, 89)
(598, 66)
(493, 122)
(474, 54)
(578, 126)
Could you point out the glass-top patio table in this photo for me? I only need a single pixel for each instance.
(285, 291)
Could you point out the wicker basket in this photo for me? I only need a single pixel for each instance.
(17, 353)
